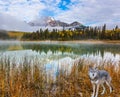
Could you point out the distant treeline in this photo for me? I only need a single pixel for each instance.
(77, 34)
(4, 34)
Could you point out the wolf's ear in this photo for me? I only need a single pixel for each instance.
(90, 68)
(96, 68)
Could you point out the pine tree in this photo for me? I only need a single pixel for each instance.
(103, 32)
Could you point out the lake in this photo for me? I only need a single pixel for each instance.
(58, 54)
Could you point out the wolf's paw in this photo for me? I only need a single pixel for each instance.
(102, 93)
(92, 95)
(111, 90)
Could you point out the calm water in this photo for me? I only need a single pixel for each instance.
(54, 54)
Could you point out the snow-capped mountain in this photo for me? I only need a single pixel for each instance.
(50, 21)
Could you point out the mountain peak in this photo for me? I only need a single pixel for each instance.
(75, 24)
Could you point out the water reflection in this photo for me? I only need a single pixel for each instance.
(52, 54)
(71, 49)
(75, 49)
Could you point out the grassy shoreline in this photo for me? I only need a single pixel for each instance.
(81, 41)
(31, 81)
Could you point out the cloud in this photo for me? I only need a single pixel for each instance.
(22, 9)
(8, 22)
(88, 12)
(92, 12)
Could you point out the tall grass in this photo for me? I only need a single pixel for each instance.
(27, 80)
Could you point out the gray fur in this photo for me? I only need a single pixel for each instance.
(99, 77)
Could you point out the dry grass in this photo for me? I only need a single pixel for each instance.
(31, 81)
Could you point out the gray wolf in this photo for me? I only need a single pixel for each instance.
(97, 78)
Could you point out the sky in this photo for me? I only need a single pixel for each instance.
(87, 12)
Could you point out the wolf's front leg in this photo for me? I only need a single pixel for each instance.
(97, 90)
(93, 94)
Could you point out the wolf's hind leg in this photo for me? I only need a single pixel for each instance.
(109, 85)
(103, 89)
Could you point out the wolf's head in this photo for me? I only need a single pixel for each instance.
(93, 73)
